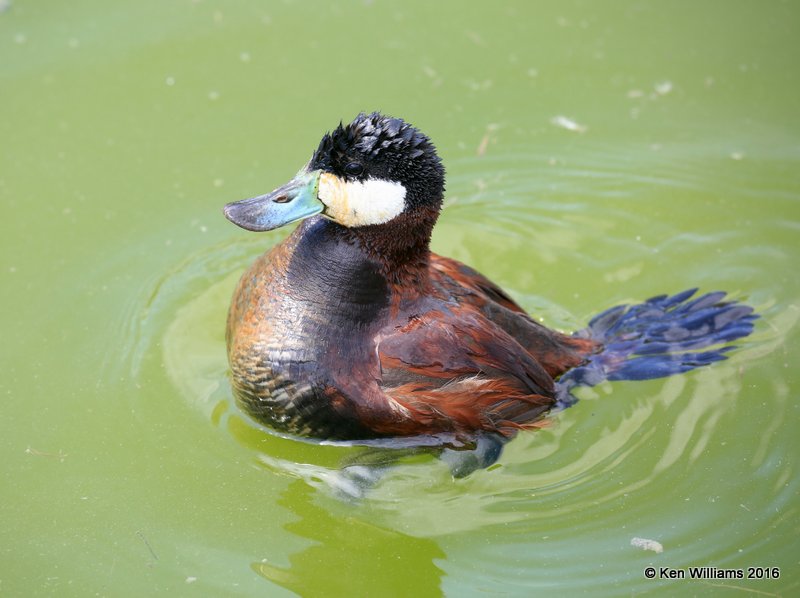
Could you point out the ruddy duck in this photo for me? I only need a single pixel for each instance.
(351, 328)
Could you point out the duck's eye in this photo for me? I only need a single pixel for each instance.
(353, 169)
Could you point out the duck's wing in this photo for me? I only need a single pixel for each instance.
(453, 370)
(554, 351)
(459, 277)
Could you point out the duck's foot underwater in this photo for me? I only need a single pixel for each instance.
(488, 448)
(359, 475)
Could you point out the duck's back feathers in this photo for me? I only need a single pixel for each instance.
(554, 351)
(458, 372)
(465, 357)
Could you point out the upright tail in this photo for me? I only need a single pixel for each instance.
(660, 337)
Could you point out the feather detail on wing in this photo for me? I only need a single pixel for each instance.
(554, 351)
(455, 370)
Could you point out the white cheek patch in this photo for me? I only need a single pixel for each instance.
(356, 203)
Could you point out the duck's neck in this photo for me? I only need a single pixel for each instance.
(350, 274)
(400, 249)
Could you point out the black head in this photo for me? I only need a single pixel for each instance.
(383, 148)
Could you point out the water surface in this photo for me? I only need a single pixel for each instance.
(596, 155)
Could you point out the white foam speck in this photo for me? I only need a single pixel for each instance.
(569, 124)
(663, 87)
(646, 544)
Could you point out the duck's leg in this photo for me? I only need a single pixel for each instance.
(487, 451)
(363, 472)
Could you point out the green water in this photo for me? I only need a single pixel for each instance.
(127, 125)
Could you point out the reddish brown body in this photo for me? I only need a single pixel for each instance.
(325, 339)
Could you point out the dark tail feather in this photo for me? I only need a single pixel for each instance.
(660, 337)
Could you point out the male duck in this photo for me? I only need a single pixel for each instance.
(351, 328)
